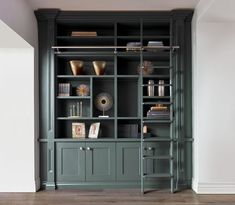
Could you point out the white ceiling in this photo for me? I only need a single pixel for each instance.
(113, 4)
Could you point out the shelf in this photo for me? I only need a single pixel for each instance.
(128, 118)
(128, 76)
(156, 97)
(85, 118)
(155, 37)
(74, 97)
(84, 76)
(158, 157)
(157, 139)
(92, 140)
(160, 102)
(130, 37)
(85, 37)
(157, 76)
(157, 85)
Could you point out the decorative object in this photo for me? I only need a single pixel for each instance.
(103, 102)
(99, 67)
(146, 67)
(94, 130)
(78, 130)
(161, 88)
(82, 90)
(145, 129)
(76, 66)
(150, 88)
(84, 33)
(133, 46)
(75, 110)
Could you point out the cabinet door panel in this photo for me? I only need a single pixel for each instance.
(100, 161)
(70, 162)
(128, 161)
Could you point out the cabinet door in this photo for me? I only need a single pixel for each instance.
(70, 162)
(128, 161)
(100, 161)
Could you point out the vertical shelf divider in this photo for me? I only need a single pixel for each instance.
(141, 110)
(91, 97)
(115, 84)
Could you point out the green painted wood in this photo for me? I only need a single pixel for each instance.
(100, 161)
(50, 22)
(128, 161)
(70, 162)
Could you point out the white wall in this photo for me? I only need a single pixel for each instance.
(213, 104)
(19, 97)
(17, 171)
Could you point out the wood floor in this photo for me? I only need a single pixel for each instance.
(113, 197)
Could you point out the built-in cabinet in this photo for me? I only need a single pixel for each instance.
(123, 155)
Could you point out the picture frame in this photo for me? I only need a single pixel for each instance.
(78, 130)
(94, 130)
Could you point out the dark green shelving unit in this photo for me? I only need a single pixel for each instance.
(160, 159)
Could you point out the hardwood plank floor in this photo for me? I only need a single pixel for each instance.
(113, 197)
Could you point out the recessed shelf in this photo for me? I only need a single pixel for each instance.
(84, 76)
(86, 118)
(157, 97)
(128, 76)
(74, 97)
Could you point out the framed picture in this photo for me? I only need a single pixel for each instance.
(94, 130)
(78, 130)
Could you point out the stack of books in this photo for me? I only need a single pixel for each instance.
(155, 43)
(84, 33)
(159, 112)
(64, 89)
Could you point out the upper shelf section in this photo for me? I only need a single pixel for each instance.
(112, 33)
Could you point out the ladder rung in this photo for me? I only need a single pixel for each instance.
(158, 176)
(156, 121)
(153, 103)
(158, 157)
(156, 85)
(157, 139)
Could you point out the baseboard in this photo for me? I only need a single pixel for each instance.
(214, 188)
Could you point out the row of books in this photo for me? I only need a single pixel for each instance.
(64, 89)
(128, 130)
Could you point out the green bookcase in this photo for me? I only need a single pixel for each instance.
(122, 156)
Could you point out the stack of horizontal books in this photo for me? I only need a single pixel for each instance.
(64, 89)
(84, 33)
(159, 112)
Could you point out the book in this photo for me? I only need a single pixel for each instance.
(64, 89)
(84, 33)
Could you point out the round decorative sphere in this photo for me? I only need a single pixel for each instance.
(103, 101)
